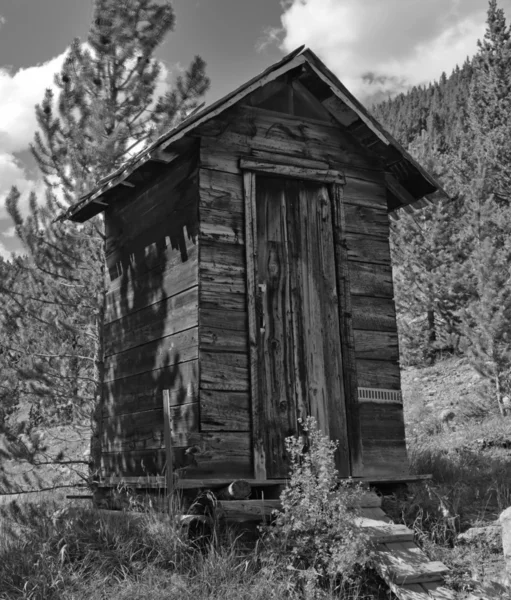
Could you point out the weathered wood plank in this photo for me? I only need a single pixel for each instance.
(131, 393)
(229, 294)
(217, 339)
(376, 345)
(222, 233)
(251, 249)
(292, 135)
(363, 248)
(344, 285)
(227, 257)
(375, 513)
(145, 430)
(225, 454)
(378, 374)
(172, 213)
(136, 288)
(154, 322)
(361, 192)
(248, 510)
(406, 563)
(224, 371)
(291, 171)
(380, 532)
(220, 189)
(385, 458)
(382, 421)
(224, 410)
(223, 319)
(168, 427)
(371, 280)
(179, 347)
(367, 220)
(373, 313)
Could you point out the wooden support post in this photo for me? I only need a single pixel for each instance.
(249, 190)
(346, 326)
(167, 428)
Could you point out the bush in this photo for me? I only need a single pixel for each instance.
(316, 532)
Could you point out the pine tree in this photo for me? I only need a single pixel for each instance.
(486, 183)
(106, 109)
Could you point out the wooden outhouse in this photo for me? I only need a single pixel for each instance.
(250, 284)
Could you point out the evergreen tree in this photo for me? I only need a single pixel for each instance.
(486, 183)
(106, 108)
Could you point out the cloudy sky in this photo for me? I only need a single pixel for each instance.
(376, 47)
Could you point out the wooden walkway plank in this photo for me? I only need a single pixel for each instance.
(406, 563)
(376, 514)
(380, 532)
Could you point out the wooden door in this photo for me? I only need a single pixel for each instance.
(299, 346)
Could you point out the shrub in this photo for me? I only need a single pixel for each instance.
(316, 532)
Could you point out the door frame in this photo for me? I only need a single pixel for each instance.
(335, 181)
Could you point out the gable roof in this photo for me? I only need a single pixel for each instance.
(409, 184)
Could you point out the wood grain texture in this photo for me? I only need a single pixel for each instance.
(371, 280)
(177, 348)
(300, 354)
(382, 422)
(363, 248)
(164, 318)
(367, 220)
(145, 430)
(385, 457)
(222, 410)
(406, 563)
(361, 192)
(378, 374)
(168, 427)
(137, 289)
(350, 375)
(268, 167)
(144, 391)
(376, 345)
(373, 313)
(225, 454)
(224, 371)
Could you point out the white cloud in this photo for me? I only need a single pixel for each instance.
(12, 173)
(4, 253)
(9, 233)
(20, 91)
(375, 46)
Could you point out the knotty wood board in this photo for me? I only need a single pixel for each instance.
(179, 347)
(145, 430)
(222, 410)
(136, 289)
(289, 135)
(373, 314)
(154, 322)
(223, 319)
(218, 339)
(224, 371)
(130, 394)
(300, 353)
(224, 454)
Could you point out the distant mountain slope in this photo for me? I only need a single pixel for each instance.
(440, 109)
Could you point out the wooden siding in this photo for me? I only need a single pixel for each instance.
(223, 340)
(374, 325)
(151, 329)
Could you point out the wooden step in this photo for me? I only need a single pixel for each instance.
(380, 532)
(406, 563)
(247, 510)
(376, 514)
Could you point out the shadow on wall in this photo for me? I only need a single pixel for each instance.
(151, 322)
